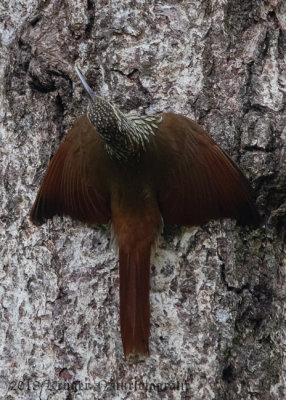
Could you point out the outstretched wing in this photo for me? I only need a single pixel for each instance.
(201, 182)
(74, 181)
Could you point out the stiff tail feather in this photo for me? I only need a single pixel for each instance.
(134, 270)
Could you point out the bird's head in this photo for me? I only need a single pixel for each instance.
(104, 117)
(125, 136)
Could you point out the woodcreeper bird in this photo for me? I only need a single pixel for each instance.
(140, 172)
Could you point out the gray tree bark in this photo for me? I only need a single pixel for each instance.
(218, 323)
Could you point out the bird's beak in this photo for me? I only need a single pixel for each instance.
(87, 88)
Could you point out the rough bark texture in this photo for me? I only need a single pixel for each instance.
(218, 328)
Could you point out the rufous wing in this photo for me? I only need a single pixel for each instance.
(201, 182)
(73, 184)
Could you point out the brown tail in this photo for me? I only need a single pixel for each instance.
(134, 270)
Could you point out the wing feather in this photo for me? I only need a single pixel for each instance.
(200, 181)
(74, 181)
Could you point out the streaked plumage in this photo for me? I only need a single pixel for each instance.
(125, 135)
(136, 172)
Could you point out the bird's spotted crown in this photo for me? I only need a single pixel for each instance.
(125, 135)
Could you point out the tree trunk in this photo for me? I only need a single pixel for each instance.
(217, 326)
